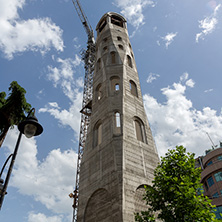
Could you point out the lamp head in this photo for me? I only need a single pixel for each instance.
(30, 127)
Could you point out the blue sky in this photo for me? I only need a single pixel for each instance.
(178, 51)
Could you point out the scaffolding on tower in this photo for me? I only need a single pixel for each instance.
(88, 56)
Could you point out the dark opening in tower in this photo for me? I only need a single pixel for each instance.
(116, 20)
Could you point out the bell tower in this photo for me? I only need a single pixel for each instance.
(120, 154)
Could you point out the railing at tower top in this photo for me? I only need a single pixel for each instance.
(88, 56)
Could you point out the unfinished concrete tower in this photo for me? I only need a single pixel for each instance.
(120, 154)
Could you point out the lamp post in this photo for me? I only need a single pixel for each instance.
(30, 127)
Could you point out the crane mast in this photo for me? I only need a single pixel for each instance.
(88, 56)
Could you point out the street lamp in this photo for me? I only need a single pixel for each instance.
(30, 127)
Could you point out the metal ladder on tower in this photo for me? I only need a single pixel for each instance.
(88, 56)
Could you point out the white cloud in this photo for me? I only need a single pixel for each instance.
(19, 35)
(70, 117)
(184, 77)
(169, 38)
(190, 83)
(47, 181)
(158, 42)
(208, 24)
(177, 122)
(54, 105)
(152, 77)
(154, 29)
(63, 76)
(39, 217)
(208, 90)
(133, 10)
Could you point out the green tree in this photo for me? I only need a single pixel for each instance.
(173, 195)
(12, 109)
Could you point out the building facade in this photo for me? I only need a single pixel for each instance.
(120, 154)
(211, 177)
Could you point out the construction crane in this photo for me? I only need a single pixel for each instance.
(88, 56)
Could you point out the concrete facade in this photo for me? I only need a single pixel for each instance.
(120, 154)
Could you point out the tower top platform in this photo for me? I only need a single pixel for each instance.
(111, 17)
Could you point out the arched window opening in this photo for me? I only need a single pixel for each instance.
(139, 202)
(117, 123)
(129, 61)
(99, 92)
(113, 57)
(117, 120)
(116, 21)
(105, 49)
(99, 206)
(120, 47)
(115, 87)
(98, 134)
(133, 88)
(119, 38)
(102, 24)
(140, 130)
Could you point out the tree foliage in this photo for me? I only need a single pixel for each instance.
(12, 109)
(173, 195)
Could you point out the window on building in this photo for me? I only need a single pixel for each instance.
(117, 119)
(209, 163)
(133, 88)
(99, 137)
(116, 20)
(206, 186)
(129, 61)
(105, 49)
(139, 130)
(210, 181)
(115, 80)
(102, 24)
(98, 134)
(120, 46)
(218, 176)
(113, 57)
(219, 158)
(99, 92)
(117, 123)
(117, 87)
(215, 195)
(119, 38)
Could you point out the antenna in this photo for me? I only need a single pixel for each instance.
(211, 140)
